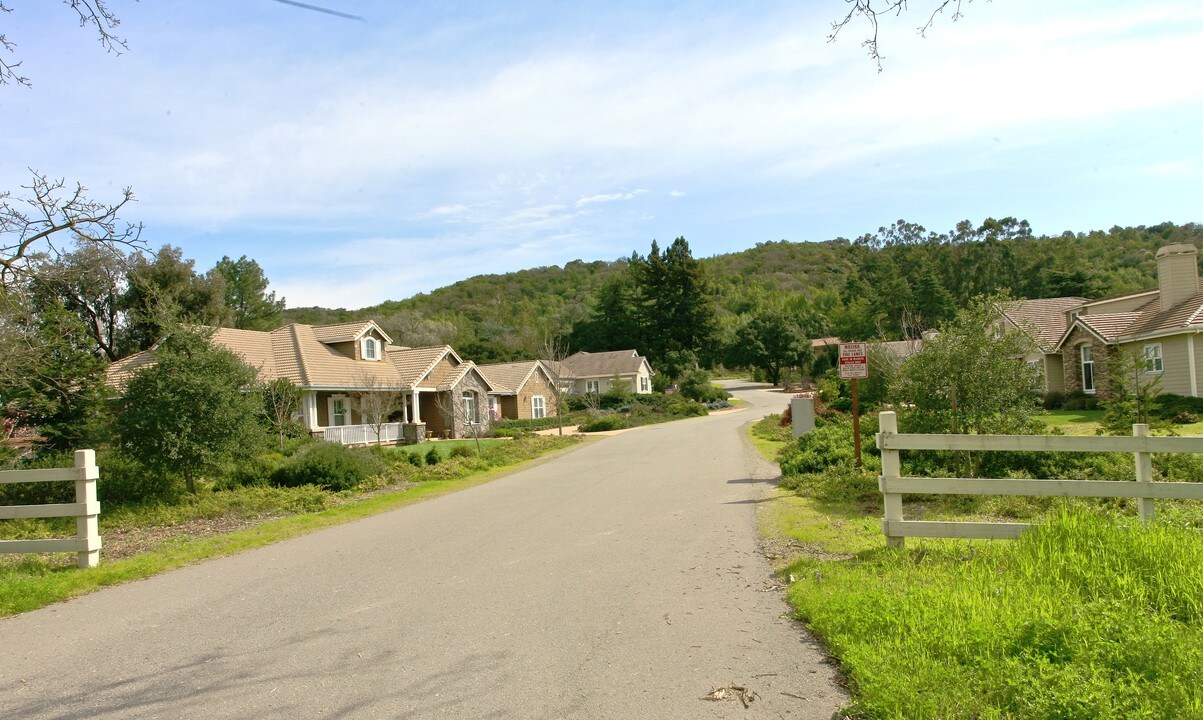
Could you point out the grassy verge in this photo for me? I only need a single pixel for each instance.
(1087, 616)
(32, 581)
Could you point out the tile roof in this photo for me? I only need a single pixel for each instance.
(1183, 315)
(345, 332)
(508, 378)
(1111, 326)
(296, 352)
(1043, 319)
(604, 364)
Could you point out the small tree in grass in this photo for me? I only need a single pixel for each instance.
(191, 412)
(281, 401)
(1131, 390)
(552, 359)
(376, 401)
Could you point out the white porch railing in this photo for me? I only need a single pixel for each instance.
(85, 510)
(893, 486)
(363, 434)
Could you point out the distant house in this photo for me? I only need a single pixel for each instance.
(604, 371)
(1161, 327)
(441, 394)
(521, 390)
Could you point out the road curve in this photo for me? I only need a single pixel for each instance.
(620, 580)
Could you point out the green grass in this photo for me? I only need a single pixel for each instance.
(1087, 422)
(1079, 618)
(1088, 616)
(32, 581)
(444, 447)
(1074, 422)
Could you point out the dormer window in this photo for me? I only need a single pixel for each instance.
(371, 349)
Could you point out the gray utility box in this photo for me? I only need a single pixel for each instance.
(802, 410)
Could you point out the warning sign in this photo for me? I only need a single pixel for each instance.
(854, 361)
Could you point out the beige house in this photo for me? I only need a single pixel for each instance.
(1045, 320)
(437, 393)
(604, 371)
(1161, 327)
(521, 390)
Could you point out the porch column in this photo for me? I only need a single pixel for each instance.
(1190, 359)
(309, 408)
(417, 402)
(405, 409)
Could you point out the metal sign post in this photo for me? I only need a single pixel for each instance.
(854, 365)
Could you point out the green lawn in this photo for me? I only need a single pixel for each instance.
(1088, 616)
(1087, 422)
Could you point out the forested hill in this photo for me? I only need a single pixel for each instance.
(894, 280)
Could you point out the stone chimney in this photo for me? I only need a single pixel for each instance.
(1177, 274)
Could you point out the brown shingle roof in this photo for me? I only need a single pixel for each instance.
(295, 352)
(345, 332)
(1185, 314)
(604, 364)
(1043, 319)
(508, 377)
(1111, 326)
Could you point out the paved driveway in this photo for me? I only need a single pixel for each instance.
(621, 580)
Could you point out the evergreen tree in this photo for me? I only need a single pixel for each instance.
(675, 306)
(167, 290)
(250, 305)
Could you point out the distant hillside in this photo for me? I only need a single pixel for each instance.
(501, 317)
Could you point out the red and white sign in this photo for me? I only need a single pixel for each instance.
(854, 361)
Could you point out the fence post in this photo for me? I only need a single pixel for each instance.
(1144, 474)
(87, 528)
(891, 467)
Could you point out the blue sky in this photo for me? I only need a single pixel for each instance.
(364, 161)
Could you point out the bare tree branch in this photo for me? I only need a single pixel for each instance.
(54, 217)
(867, 10)
(94, 14)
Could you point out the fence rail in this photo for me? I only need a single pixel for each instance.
(363, 434)
(894, 485)
(85, 510)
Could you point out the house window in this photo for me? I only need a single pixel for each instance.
(340, 414)
(1087, 369)
(538, 409)
(371, 349)
(494, 410)
(1153, 358)
(469, 400)
(593, 386)
(643, 383)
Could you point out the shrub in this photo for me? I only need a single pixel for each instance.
(432, 455)
(696, 385)
(1185, 418)
(254, 471)
(123, 480)
(328, 465)
(1078, 400)
(687, 409)
(603, 423)
(415, 459)
(1053, 400)
(461, 451)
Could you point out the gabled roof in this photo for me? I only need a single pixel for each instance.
(1146, 321)
(604, 364)
(509, 378)
(295, 352)
(1186, 314)
(347, 332)
(1043, 318)
(453, 378)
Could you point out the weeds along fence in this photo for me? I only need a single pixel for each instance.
(85, 510)
(893, 485)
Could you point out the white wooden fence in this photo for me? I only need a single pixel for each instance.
(363, 434)
(85, 510)
(893, 486)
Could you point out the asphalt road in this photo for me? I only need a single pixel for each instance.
(620, 580)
